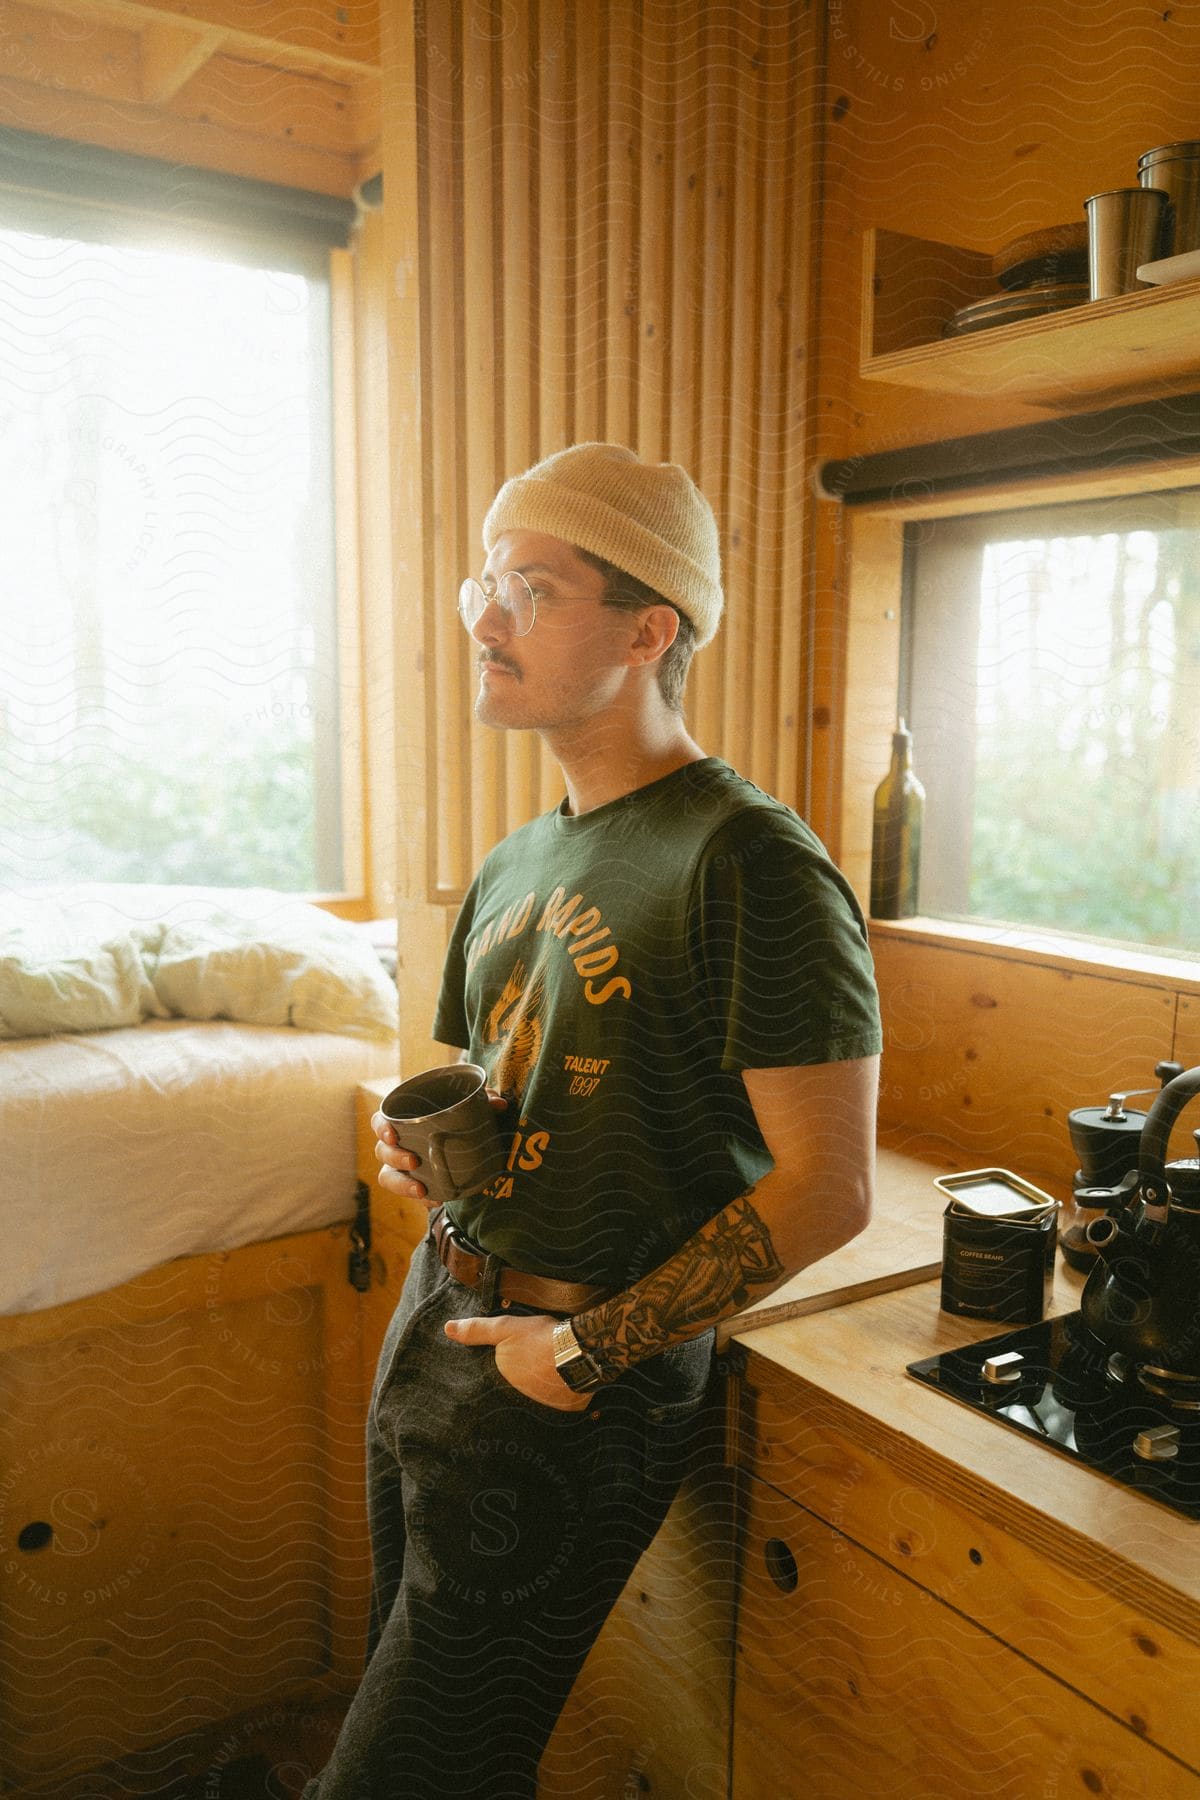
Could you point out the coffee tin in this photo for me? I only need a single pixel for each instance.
(998, 1240)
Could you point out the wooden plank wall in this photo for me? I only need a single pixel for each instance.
(597, 227)
(970, 125)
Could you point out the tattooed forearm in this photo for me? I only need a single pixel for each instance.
(712, 1276)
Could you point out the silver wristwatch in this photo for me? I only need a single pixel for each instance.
(579, 1370)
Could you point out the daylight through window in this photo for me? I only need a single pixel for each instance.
(1053, 684)
(168, 677)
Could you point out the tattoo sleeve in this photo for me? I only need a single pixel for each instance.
(710, 1277)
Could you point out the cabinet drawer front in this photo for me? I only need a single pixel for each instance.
(851, 1680)
(930, 1522)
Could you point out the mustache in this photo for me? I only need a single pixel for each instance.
(492, 661)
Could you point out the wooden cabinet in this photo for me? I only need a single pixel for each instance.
(907, 1629)
(181, 1507)
(854, 1679)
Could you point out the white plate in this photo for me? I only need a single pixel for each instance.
(1171, 268)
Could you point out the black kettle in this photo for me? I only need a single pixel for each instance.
(1143, 1297)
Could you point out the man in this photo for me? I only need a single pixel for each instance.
(669, 985)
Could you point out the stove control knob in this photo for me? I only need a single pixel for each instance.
(998, 1370)
(1158, 1443)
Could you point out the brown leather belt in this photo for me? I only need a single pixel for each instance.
(471, 1268)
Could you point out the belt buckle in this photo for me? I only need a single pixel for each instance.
(491, 1267)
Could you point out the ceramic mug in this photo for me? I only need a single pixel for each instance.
(444, 1117)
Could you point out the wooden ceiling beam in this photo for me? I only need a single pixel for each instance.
(170, 56)
(199, 143)
(338, 40)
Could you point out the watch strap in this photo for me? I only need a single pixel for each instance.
(572, 1362)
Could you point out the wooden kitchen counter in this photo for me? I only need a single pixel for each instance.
(933, 1604)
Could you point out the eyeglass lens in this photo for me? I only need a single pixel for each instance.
(512, 594)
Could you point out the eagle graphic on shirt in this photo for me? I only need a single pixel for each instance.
(515, 1023)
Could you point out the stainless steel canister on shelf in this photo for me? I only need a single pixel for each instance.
(1124, 230)
(1176, 169)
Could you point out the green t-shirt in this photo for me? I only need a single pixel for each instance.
(615, 972)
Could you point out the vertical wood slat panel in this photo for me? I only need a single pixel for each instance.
(620, 250)
(449, 790)
(737, 698)
(480, 260)
(711, 472)
(685, 396)
(793, 704)
(773, 183)
(611, 211)
(518, 370)
(556, 260)
(591, 215)
(652, 324)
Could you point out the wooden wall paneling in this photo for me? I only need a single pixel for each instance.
(989, 1055)
(439, 44)
(778, 124)
(794, 723)
(422, 924)
(551, 120)
(718, 100)
(589, 86)
(518, 279)
(742, 421)
(621, 247)
(685, 148)
(872, 673)
(373, 503)
(552, 357)
(481, 251)
(1186, 1048)
(657, 124)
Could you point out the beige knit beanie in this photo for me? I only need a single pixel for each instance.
(648, 519)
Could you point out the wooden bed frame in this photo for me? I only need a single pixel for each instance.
(181, 1499)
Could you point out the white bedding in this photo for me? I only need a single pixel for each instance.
(97, 956)
(121, 1149)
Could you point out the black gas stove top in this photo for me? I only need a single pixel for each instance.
(1055, 1383)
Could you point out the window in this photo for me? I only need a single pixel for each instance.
(168, 679)
(1052, 679)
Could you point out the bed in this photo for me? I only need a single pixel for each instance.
(183, 1356)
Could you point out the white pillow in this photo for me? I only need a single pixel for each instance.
(91, 987)
(93, 957)
(314, 971)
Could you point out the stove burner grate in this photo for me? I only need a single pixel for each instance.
(1055, 1382)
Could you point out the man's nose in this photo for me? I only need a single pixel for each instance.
(493, 623)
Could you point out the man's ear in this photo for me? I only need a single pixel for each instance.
(657, 629)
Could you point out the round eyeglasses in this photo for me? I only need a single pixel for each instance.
(512, 594)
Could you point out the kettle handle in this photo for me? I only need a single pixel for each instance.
(1166, 1108)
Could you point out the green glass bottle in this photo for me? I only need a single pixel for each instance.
(896, 834)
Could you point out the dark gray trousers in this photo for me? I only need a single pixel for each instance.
(502, 1533)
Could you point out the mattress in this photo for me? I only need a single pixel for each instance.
(122, 1149)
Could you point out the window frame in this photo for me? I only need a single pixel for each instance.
(352, 900)
(874, 553)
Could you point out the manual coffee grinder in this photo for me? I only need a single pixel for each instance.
(1107, 1140)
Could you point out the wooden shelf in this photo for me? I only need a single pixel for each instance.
(1099, 349)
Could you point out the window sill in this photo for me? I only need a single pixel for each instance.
(1028, 944)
